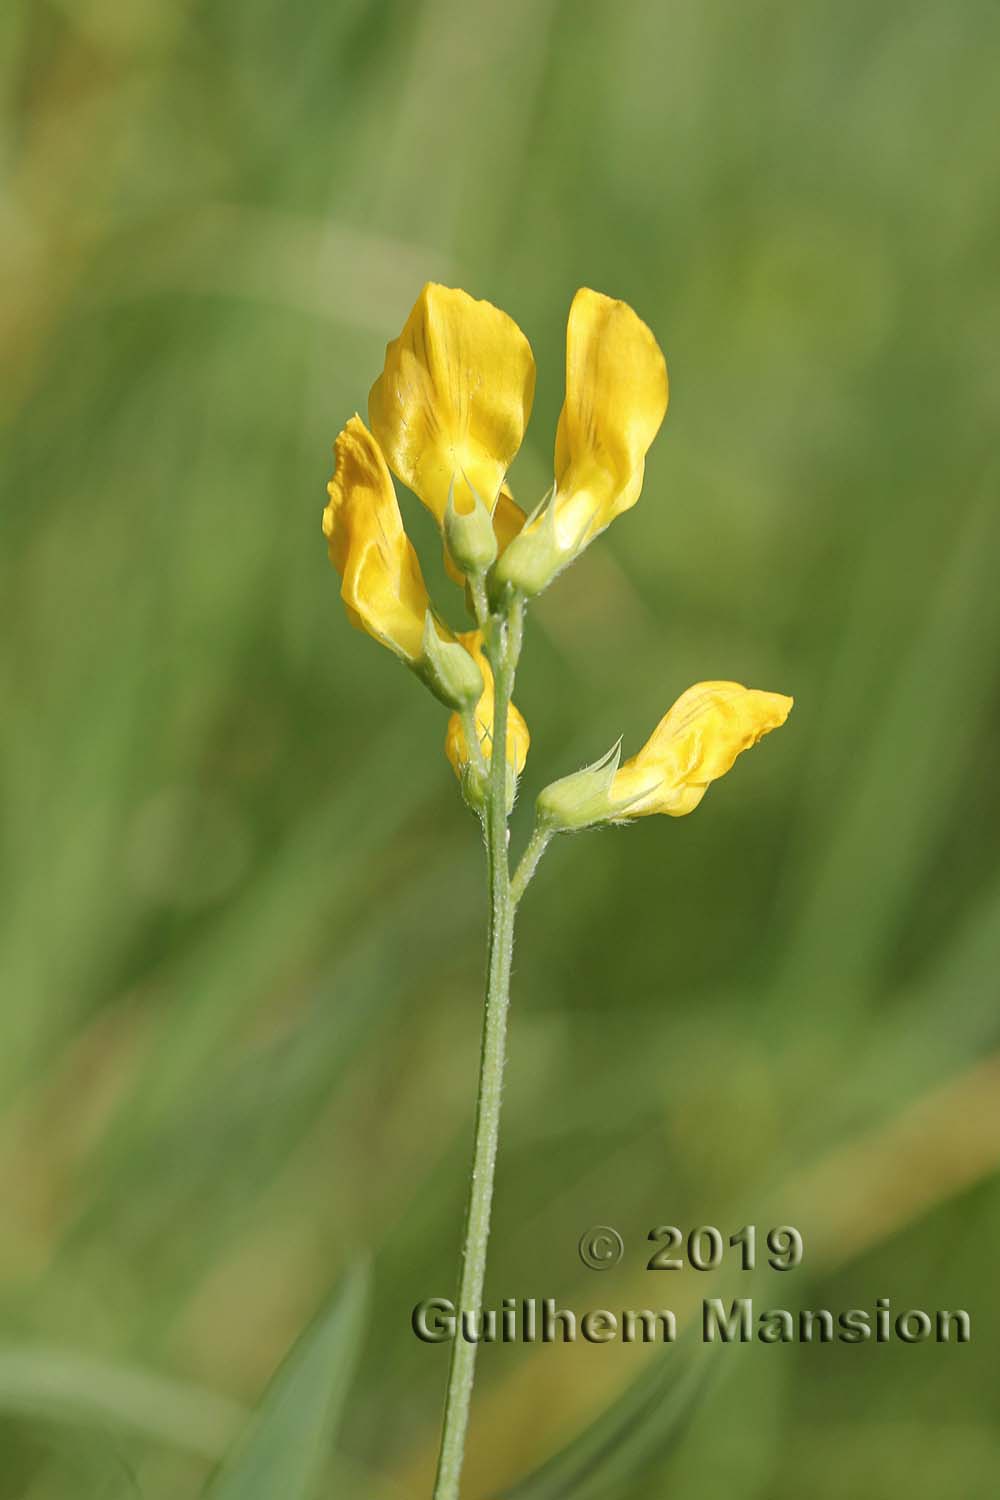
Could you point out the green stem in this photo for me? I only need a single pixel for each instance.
(471, 733)
(480, 603)
(504, 650)
(537, 845)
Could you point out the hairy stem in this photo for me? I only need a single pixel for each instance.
(480, 604)
(504, 648)
(528, 864)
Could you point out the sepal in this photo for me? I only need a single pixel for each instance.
(535, 556)
(582, 799)
(475, 781)
(470, 538)
(448, 669)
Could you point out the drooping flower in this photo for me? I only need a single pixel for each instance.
(453, 400)
(616, 398)
(696, 742)
(456, 745)
(382, 586)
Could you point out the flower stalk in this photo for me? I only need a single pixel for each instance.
(503, 650)
(447, 417)
(528, 864)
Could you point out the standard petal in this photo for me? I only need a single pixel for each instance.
(616, 399)
(454, 398)
(695, 743)
(382, 586)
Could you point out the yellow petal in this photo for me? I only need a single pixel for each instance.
(454, 398)
(383, 589)
(616, 399)
(508, 519)
(695, 743)
(518, 739)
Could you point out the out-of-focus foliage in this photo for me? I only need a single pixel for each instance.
(284, 1449)
(242, 915)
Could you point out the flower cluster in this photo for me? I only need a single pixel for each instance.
(447, 416)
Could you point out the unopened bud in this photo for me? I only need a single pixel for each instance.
(580, 800)
(535, 555)
(469, 536)
(448, 669)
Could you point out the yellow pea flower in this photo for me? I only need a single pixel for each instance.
(518, 739)
(695, 743)
(453, 400)
(382, 586)
(616, 398)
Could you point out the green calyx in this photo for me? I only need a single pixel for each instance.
(534, 557)
(469, 537)
(448, 669)
(582, 799)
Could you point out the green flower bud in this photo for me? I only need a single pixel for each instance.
(448, 669)
(470, 538)
(475, 783)
(580, 800)
(534, 557)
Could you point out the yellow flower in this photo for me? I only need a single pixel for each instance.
(695, 743)
(453, 400)
(382, 586)
(518, 739)
(451, 405)
(616, 399)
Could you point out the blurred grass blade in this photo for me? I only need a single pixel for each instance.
(290, 1435)
(59, 1385)
(635, 1433)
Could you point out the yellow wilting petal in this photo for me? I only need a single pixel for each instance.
(616, 399)
(518, 739)
(454, 398)
(695, 743)
(383, 588)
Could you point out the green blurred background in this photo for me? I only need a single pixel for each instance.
(242, 916)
